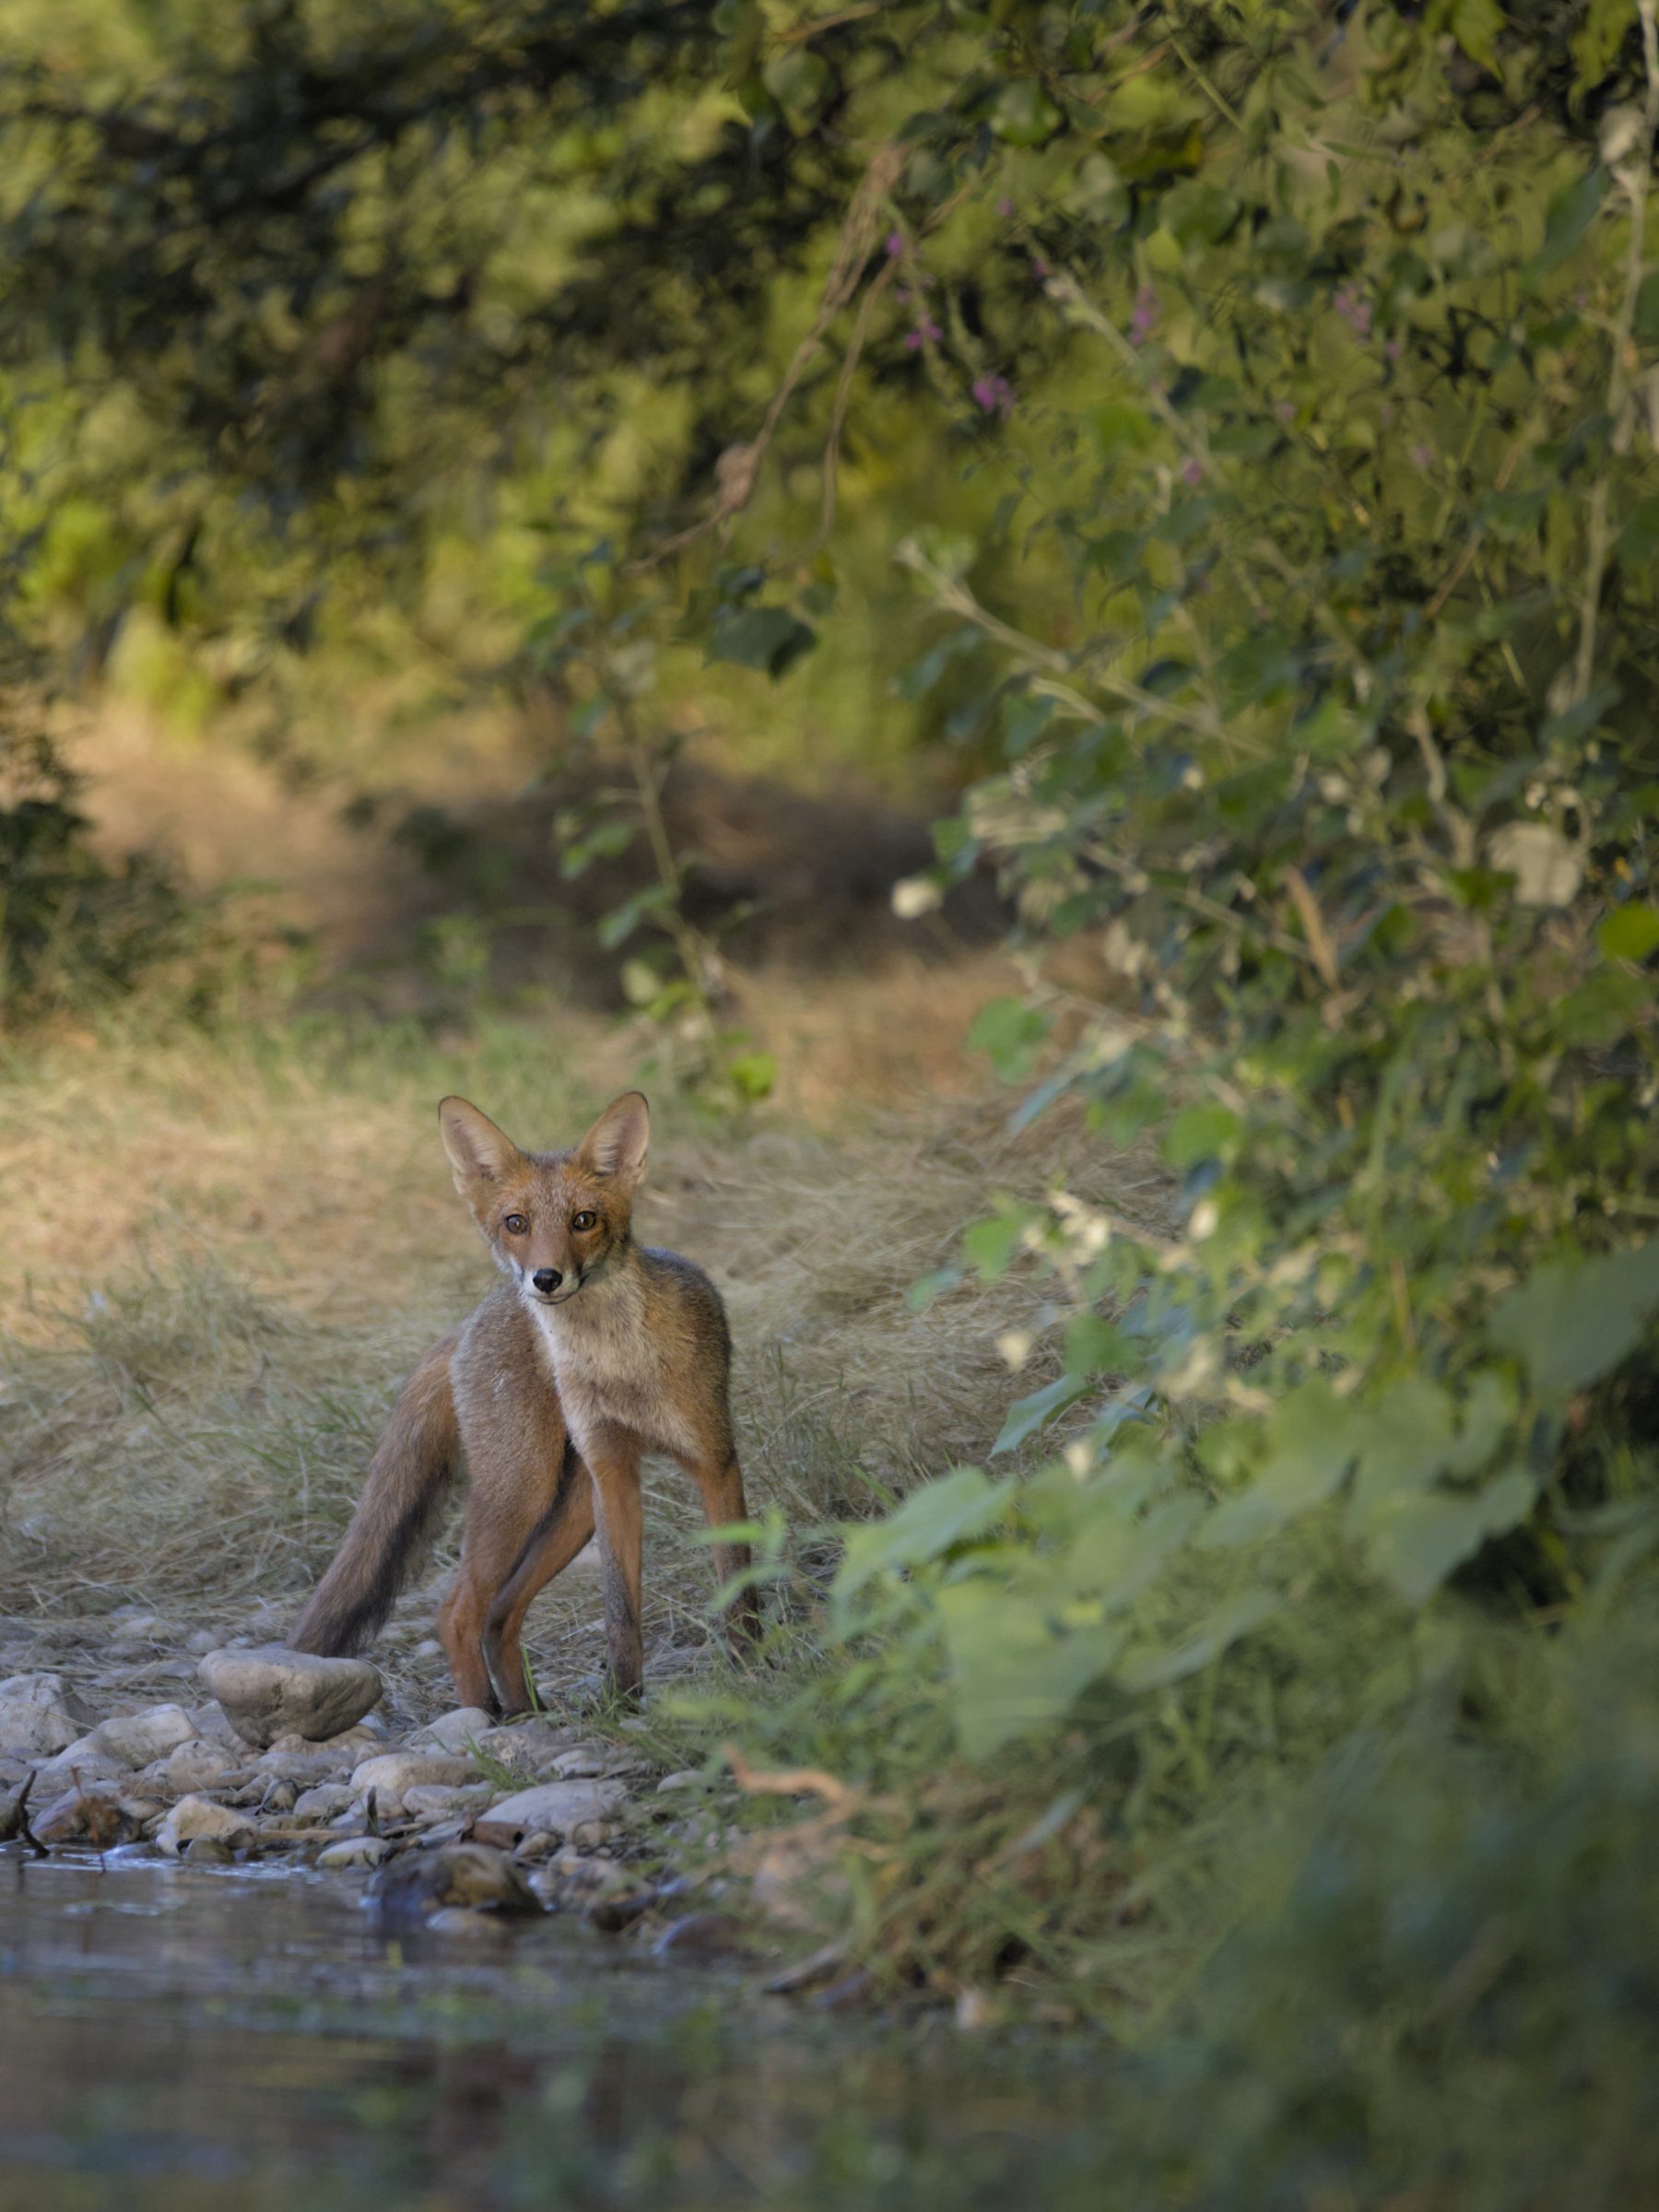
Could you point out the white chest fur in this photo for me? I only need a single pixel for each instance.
(608, 1371)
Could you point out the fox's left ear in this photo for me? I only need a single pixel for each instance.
(616, 1145)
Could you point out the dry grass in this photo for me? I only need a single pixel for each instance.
(225, 1255)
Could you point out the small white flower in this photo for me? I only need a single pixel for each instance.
(1015, 1345)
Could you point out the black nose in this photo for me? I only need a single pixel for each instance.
(547, 1279)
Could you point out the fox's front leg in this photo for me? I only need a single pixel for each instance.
(613, 1458)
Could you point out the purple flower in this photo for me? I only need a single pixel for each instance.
(1285, 409)
(1192, 472)
(1423, 455)
(927, 332)
(1004, 207)
(995, 395)
(1354, 311)
(895, 245)
(1393, 349)
(1145, 317)
(1040, 268)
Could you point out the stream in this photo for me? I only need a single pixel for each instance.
(183, 2036)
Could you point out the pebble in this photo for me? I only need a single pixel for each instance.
(421, 1884)
(40, 1714)
(270, 1691)
(193, 1817)
(455, 1731)
(557, 1806)
(138, 1739)
(689, 1778)
(352, 1854)
(390, 1773)
(439, 1800)
(315, 1808)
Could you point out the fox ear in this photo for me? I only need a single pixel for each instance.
(479, 1151)
(615, 1146)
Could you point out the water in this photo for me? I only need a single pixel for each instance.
(183, 2036)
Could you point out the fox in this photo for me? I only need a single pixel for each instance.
(594, 1350)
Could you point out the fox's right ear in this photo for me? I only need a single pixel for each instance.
(479, 1151)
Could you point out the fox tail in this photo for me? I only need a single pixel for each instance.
(408, 1480)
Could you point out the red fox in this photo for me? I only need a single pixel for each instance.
(595, 1350)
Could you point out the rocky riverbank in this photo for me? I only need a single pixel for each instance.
(265, 1754)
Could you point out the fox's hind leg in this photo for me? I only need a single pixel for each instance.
(552, 1544)
(719, 1480)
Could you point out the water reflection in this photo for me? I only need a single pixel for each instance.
(178, 2036)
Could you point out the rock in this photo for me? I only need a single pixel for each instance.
(452, 1731)
(269, 1692)
(211, 1720)
(193, 1817)
(689, 1778)
(392, 1773)
(619, 1911)
(593, 1835)
(100, 1816)
(304, 1769)
(136, 1738)
(434, 1801)
(701, 1937)
(583, 1762)
(475, 1927)
(198, 1764)
(200, 1641)
(557, 1806)
(40, 1714)
(82, 1762)
(462, 1876)
(528, 1747)
(353, 1853)
(315, 1808)
(279, 1796)
(211, 1850)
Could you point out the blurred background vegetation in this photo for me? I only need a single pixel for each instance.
(518, 514)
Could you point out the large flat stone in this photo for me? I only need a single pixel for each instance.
(269, 1692)
(552, 1809)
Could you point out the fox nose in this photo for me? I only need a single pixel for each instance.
(546, 1281)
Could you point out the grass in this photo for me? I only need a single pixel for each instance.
(228, 1250)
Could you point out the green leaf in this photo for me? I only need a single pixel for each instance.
(1594, 44)
(1571, 1323)
(1639, 540)
(1142, 1670)
(1012, 1034)
(1311, 1442)
(1419, 1541)
(1570, 214)
(1014, 1669)
(1629, 932)
(1028, 1415)
(1023, 114)
(1475, 25)
(763, 637)
(931, 1521)
(989, 1245)
(1203, 1133)
(753, 1075)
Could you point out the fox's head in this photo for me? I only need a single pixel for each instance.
(551, 1219)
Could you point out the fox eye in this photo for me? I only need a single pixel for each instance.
(584, 1219)
(515, 1225)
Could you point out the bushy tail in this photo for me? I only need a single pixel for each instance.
(408, 1477)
